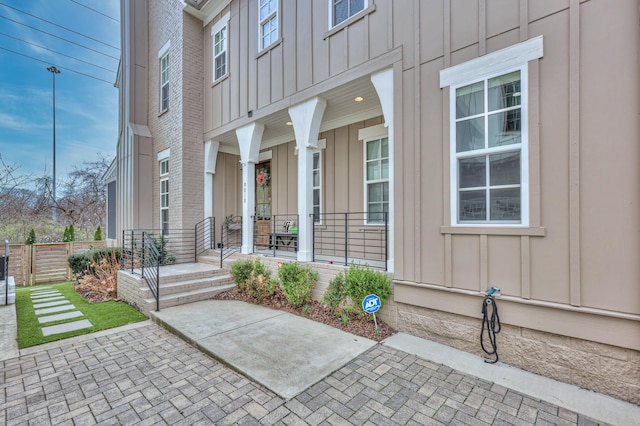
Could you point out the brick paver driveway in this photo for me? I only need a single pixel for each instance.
(148, 376)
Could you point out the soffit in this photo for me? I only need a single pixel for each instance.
(341, 110)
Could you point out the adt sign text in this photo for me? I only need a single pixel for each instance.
(371, 304)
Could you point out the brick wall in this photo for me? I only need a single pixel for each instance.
(603, 368)
(129, 290)
(179, 128)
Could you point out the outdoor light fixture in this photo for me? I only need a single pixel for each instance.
(358, 99)
(289, 123)
(53, 70)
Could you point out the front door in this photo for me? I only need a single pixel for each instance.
(263, 204)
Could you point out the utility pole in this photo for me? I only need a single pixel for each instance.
(53, 70)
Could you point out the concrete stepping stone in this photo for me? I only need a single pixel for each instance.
(41, 296)
(49, 304)
(60, 317)
(55, 309)
(48, 299)
(44, 294)
(68, 326)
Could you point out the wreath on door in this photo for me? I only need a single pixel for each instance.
(262, 178)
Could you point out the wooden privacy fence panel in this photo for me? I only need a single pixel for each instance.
(45, 263)
(18, 264)
(50, 263)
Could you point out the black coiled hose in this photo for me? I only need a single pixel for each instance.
(492, 325)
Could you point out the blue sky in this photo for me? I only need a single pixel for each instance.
(86, 108)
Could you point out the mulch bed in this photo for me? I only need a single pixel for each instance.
(360, 325)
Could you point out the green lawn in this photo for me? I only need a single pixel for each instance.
(102, 315)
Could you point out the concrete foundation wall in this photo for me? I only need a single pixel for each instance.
(607, 369)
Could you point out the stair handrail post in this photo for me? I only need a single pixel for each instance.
(386, 240)
(132, 248)
(274, 241)
(346, 238)
(144, 250)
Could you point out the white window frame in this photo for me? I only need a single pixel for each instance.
(317, 187)
(164, 177)
(332, 19)
(274, 14)
(366, 141)
(163, 55)
(222, 26)
(513, 58)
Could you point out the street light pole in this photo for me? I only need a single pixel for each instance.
(53, 70)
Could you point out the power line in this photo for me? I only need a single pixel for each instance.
(58, 37)
(58, 53)
(96, 11)
(60, 26)
(57, 66)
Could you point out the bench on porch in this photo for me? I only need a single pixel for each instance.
(285, 239)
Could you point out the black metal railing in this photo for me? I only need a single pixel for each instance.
(205, 232)
(276, 235)
(230, 237)
(177, 246)
(348, 238)
(150, 265)
(5, 271)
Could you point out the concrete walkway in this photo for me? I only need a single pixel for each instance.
(143, 374)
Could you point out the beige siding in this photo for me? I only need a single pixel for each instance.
(575, 271)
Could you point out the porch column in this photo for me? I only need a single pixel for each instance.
(249, 138)
(306, 118)
(210, 159)
(383, 83)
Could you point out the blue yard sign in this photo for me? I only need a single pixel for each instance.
(371, 304)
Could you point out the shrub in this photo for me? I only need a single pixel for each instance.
(260, 285)
(240, 271)
(334, 295)
(78, 263)
(31, 239)
(347, 291)
(253, 277)
(360, 281)
(297, 282)
(98, 234)
(81, 264)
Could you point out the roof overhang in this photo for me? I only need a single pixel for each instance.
(204, 10)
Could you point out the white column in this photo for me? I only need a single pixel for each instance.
(249, 138)
(210, 159)
(306, 118)
(383, 82)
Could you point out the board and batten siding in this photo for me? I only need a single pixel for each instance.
(580, 252)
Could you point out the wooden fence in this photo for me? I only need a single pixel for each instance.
(45, 263)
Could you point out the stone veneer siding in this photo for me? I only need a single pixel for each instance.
(607, 369)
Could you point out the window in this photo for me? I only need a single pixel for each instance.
(489, 145)
(220, 44)
(268, 23)
(164, 82)
(164, 196)
(488, 149)
(316, 171)
(377, 180)
(341, 10)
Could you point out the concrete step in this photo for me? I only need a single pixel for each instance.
(174, 277)
(187, 297)
(210, 259)
(8, 297)
(189, 285)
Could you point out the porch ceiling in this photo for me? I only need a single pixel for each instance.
(341, 110)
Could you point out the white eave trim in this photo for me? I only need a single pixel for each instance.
(164, 154)
(509, 57)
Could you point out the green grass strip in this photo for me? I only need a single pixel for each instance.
(102, 315)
